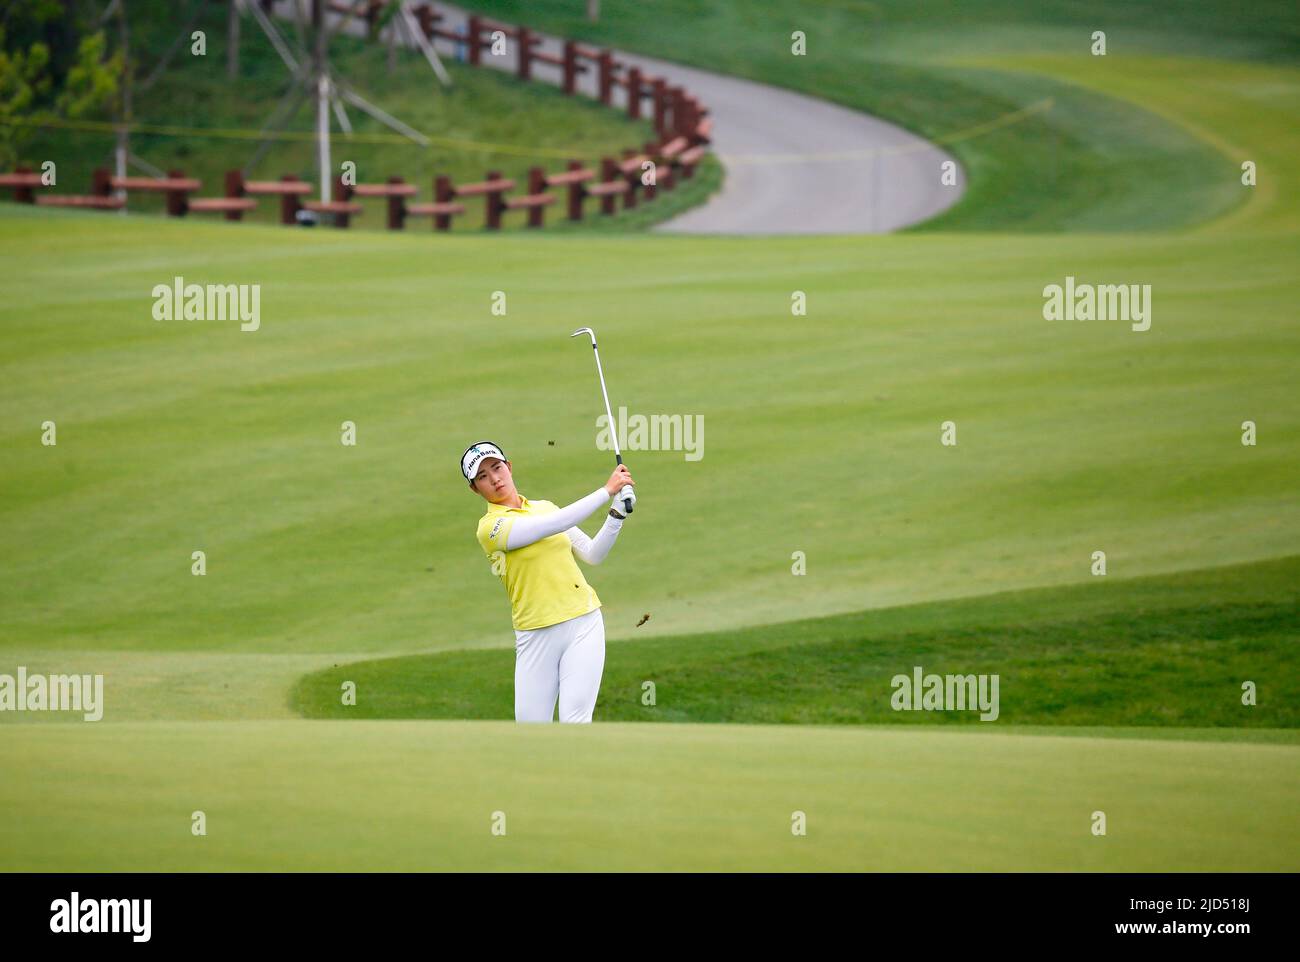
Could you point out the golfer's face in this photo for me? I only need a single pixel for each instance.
(493, 480)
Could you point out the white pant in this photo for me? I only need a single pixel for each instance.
(565, 659)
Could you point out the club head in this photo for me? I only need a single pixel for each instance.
(585, 330)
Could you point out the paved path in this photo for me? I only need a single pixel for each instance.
(794, 164)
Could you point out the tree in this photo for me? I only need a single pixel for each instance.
(37, 84)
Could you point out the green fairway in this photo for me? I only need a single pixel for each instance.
(419, 796)
(183, 436)
(327, 562)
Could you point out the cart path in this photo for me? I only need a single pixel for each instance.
(794, 164)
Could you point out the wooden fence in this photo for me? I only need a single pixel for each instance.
(681, 124)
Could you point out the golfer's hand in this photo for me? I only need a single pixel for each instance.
(618, 479)
(623, 505)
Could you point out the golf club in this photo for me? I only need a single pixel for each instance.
(626, 495)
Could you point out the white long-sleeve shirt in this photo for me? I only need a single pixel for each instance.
(524, 530)
(594, 550)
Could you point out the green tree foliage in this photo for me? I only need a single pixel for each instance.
(49, 71)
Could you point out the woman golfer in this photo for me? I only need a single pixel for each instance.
(559, 631)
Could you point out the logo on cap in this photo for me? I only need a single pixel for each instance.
(467, 466)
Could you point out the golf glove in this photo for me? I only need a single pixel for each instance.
(624, 501)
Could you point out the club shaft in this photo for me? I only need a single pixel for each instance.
(613, 431)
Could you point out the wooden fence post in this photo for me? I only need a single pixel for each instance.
(633, 182)
(634, 93)
(289, 204)
(175, 199)
(443, 193)
(101, 182)
(471, 41)
(661, 106)
(575, 193)
(493, 205)
(234, 190)
(536, 185)
(606, 64)
(609, 172)
(396, 207)
(652, 152)
(570, 67)
(666, 175)
(342, 192)
(24, 195)
(525, 59)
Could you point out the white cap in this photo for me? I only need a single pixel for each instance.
(475, 453)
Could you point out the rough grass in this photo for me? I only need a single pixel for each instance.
(1139, 653)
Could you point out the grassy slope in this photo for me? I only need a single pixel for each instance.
(421, 796)
(484, 121)
(1090, 163)
(1072, 438)
(1170, 651)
